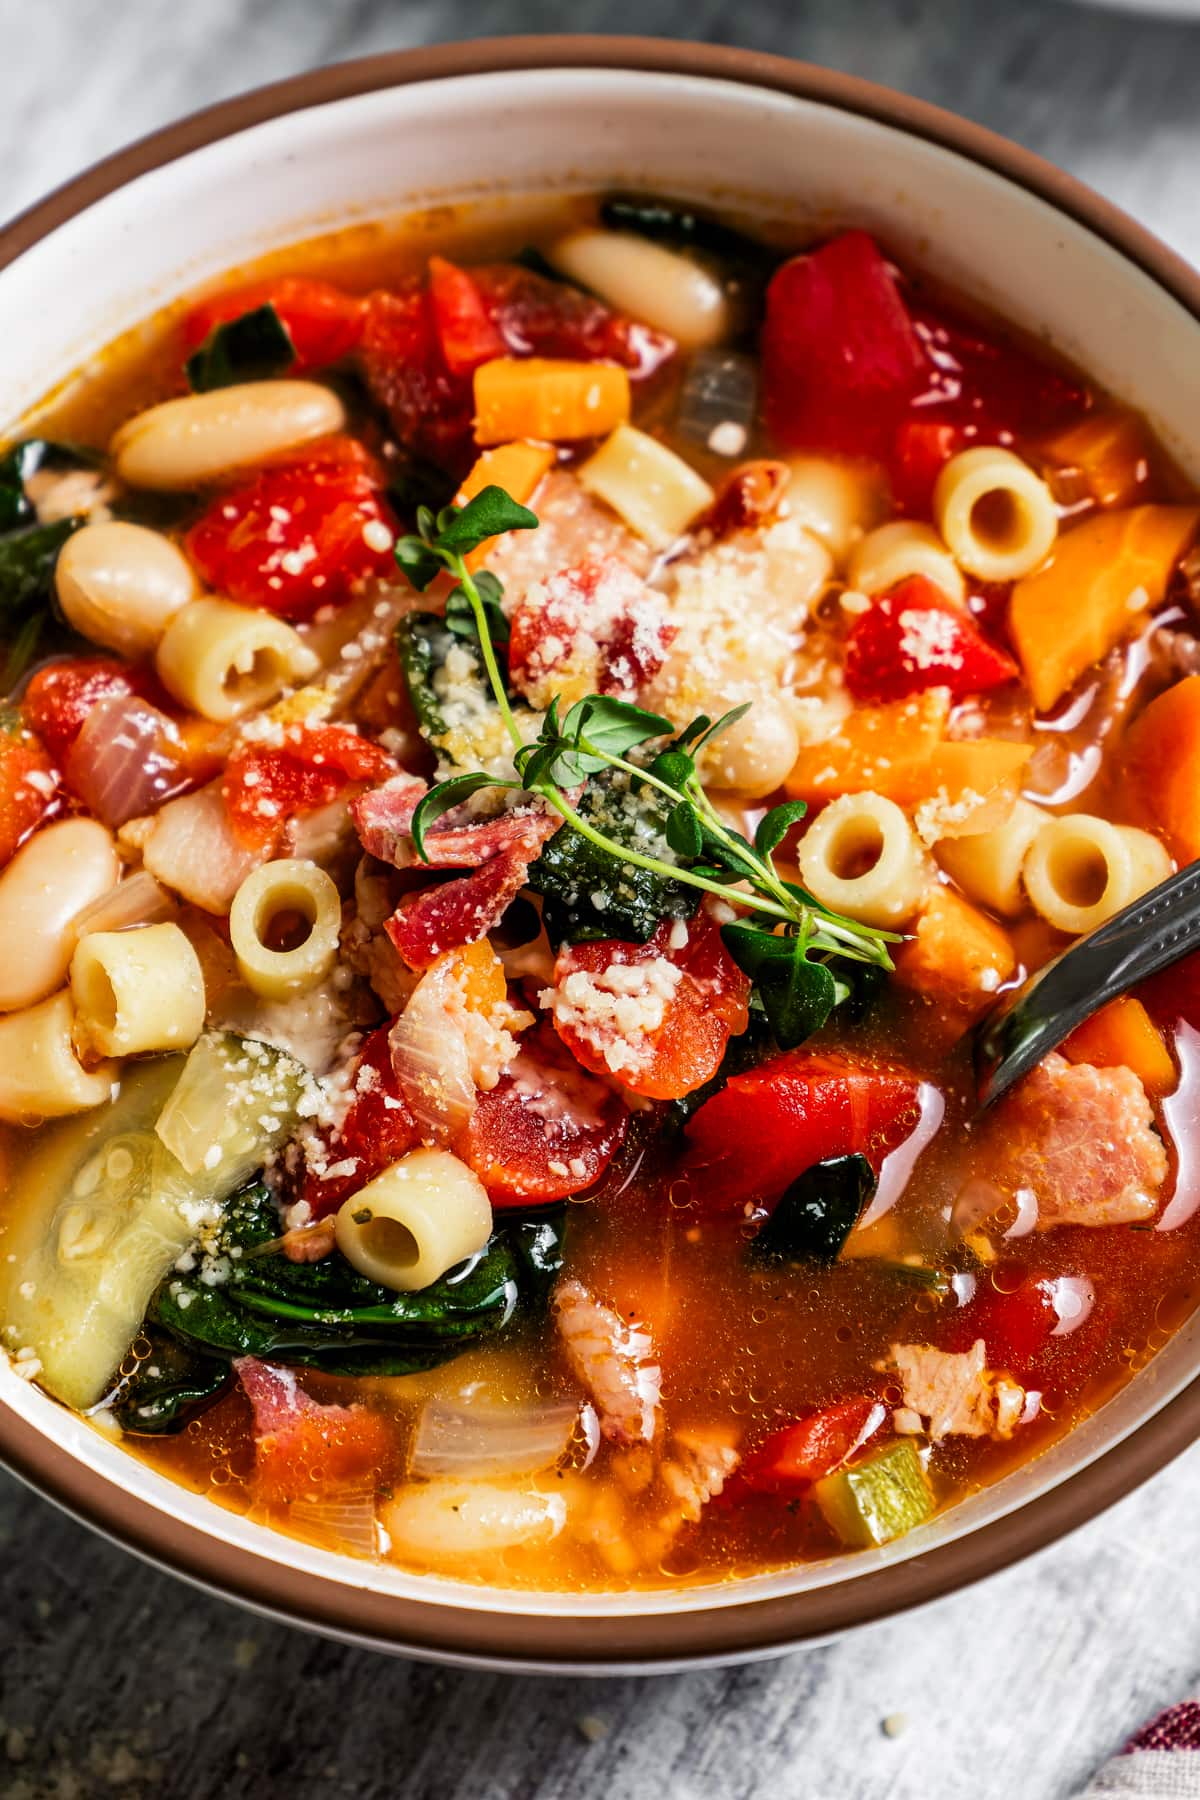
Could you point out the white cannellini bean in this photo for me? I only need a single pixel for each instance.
(757, 753)
(443, 1521)
(658, 286)
(55, 875)
(183, 443)
(121, 584)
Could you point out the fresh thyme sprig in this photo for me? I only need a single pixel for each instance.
(786, 945)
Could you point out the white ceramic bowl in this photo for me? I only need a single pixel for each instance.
(484, 121)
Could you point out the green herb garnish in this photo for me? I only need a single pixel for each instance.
(787, 946)
(250, 348)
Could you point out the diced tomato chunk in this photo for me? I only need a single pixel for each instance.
(28, 786)
(841, 358)
(594, 627)
(268, 784)
(915, 638)
(304, 1449)
(546, 1130)
(812, 1447)
(1016, 1326)
(323, 322)
(464, 327)
(921, 450)
(992, 388)
(795, 1109)
(61, 696)
(376, 1130)
(706, 1004)
(299, 535)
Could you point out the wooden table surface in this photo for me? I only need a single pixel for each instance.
(116, 1681)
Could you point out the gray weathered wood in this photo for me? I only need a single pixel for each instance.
(116, 1681)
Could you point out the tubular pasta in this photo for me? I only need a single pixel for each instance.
(136, 991)
(1080, 870)
(421, 1217)
(269, 896)
(997, 517)
(861, 857)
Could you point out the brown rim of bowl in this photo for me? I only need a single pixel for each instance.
(590, 1642)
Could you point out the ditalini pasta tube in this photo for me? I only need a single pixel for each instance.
(656, 493)
(184, 443)
(222, 660)
(861, 857)
(891, 553)
(1080, 870)
(40, 1075)
(419, 1218)
(998, 519)
(270, 900)
(136, 991)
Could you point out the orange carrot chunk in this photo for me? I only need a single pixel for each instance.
(1162, 763)
(1104, 576)
(1123, 1035)
(543, 397)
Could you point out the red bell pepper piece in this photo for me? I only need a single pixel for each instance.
(767, 1126)
(812, 1447)
(915, 638)
(841, 358)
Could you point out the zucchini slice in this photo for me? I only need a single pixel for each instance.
(103, 1207)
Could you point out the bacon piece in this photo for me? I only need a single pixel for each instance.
(957, 1393)
(384, 818)
(1081, 1139)
(456, 913)
(592, 628)
(302, 1447)
(612, 1360)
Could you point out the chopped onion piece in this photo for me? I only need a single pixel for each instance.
(474, 1437)
(1072, 1297)
(430, 1059)
(976, 1201)
(127, 760)
(138, 900)
(344, 1522)
(1027, 1214)
(721, 389)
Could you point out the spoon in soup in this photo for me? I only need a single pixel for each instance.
(1134, 944)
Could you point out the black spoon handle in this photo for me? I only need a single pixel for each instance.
(1137, 942)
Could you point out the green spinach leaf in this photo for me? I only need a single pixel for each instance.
(817, 1213)
(324, 1315)
(585, 893)
(25, 459)
(250, 348)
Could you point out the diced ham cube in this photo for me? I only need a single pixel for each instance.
(957, 1394)
(1082, 1140)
